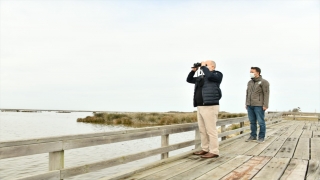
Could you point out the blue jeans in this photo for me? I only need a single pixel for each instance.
(256, 113)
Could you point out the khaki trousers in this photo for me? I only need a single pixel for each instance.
(207, 119)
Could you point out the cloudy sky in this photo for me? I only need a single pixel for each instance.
(135, 55)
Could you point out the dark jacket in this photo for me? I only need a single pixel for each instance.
(211, 92)
(258, 92)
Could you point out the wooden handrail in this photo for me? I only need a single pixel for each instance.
(56, 146)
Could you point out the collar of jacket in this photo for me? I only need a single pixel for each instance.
(257, 79)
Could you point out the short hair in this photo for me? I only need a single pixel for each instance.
(214, 64)
(257, 69)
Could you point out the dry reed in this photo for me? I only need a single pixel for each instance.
(149, 118)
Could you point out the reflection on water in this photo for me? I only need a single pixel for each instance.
(23, 125)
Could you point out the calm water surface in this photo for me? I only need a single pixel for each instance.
(20, 125)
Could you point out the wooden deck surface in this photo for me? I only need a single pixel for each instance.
(291, 151)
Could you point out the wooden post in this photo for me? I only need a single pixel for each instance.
(197, 137)
(56, 160)
(241, 126)
(223, 129)
(165, 142)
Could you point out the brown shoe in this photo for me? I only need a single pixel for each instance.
(202, 152)
(210, 155)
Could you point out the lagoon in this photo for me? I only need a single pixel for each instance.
(26, 125)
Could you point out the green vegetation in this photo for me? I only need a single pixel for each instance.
(149, 118)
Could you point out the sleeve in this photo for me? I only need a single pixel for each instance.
(190, 78)
(266, 93)
(247, 93)
(214, 77)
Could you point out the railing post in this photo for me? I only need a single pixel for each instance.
(223, 129)
(241, 126)
(197, 137)
(56, 160)
(165, 142)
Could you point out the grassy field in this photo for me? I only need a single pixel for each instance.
(149, 119)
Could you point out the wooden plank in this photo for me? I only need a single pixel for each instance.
(296, 170)
(91, 135)
(165, 142)
(236, 139)
(288, 147)
(301, 126)
(285, 128)
(228, 121)
(25, 150)
(204, 168)
(316, 134)
(164, 167)
(73, 171)
(302, 149)
(291, 129)
(313, 170)
(51, 175)
(226, 168)
(239, 148)
(275, 131)
(306, 134)
(79, 143)
(223, 129)
(313, 127)
(135, 170)
(56, 160)
(233, 131)
(274, 147)
(307, 126)
(248, 169)
(315, 148)
(297, 133)
(197, 138)
(175, 170)
(259, 148)
(55, 139)
(273, 169)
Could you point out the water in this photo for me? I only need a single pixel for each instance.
(19, 125)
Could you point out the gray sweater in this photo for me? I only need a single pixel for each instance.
(258, 92)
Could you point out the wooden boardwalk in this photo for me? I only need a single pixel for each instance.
(291, 151)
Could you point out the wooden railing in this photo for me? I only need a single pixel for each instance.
(294, 115)
(56, 146)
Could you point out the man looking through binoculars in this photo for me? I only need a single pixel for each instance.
(207, 94)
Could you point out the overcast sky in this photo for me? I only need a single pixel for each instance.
(135, 55)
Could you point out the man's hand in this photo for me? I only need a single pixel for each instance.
(203, 63)
(246, 107)
(264, 108)
(194, 69)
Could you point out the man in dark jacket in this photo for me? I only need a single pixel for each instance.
(206, 98)
(257, 101)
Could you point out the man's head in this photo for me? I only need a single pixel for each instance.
(255, 72)
(211, 65)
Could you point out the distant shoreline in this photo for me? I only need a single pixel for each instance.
(150, 118)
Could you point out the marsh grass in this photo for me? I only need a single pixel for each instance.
(149, 119)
